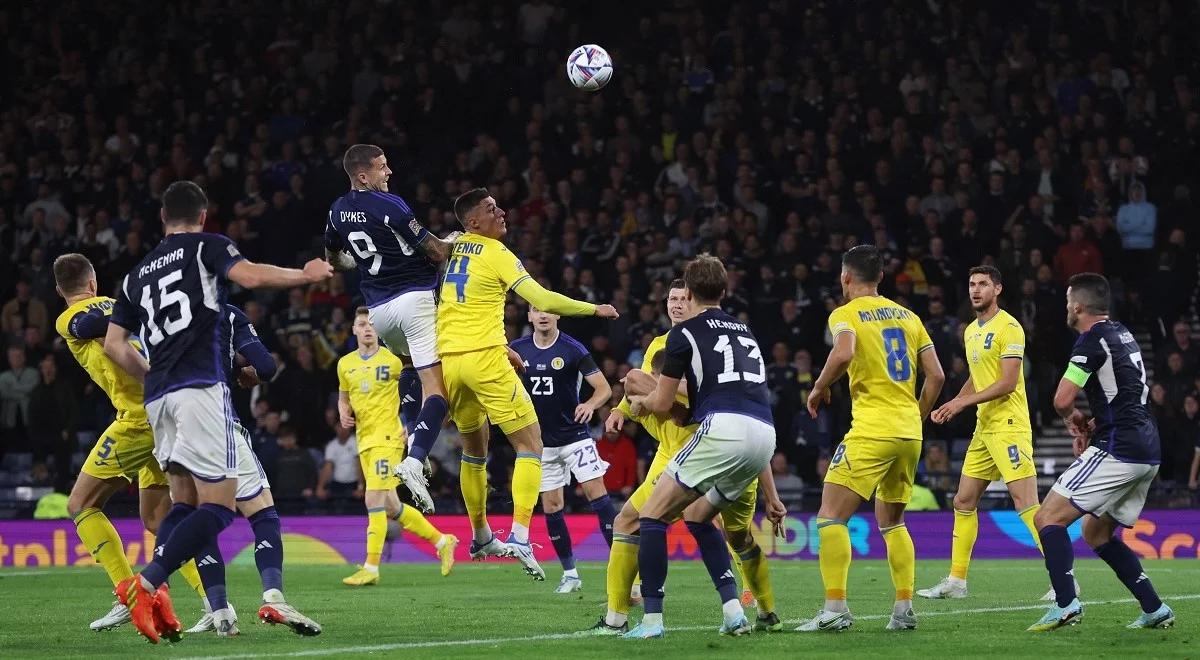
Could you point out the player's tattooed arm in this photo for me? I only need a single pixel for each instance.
(439, 249)
(339, 260)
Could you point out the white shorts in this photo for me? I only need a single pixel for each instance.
(250, 475)
(1099, 484)
(578, 458)
(724, 456)
(194, 428)
(407, 324)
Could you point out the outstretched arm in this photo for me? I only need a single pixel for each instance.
(266, 276)
(438, 249)
(556, 303)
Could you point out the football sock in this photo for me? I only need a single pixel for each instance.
(174, 516)
(757, 578)
(472, 479)
(966, 530)
(427, 427)
(716, 558)
(99, 536)
(211, 566)
(191, 575)
(416, 522)
(737, 565)
(526, 481)
(1060, 560)
(193, 534)
(834, 559)
(622, 569)
(1128, 568)
(652, 564)
(268, 548)
(606, 512)
(376, 535)
(410, 397)
(1027, 517)
(560, 538)
(902, 560)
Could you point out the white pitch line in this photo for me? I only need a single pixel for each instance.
(555, 636)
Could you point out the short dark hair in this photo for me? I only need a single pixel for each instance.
(864, 263)
(358, 158)
(183, 201)
(677, 283)
(990, 271)
(466, 202)
(362, 311)
(72, 272)
(1090, 290)
(706, 277)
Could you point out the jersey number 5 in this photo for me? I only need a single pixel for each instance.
(166, 298)
(895, 345)
(730, 373)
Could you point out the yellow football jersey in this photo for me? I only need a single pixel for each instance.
(123, 390)
(656, 345)
(883, 371)
(671, 437)
(478, 278)
(371, 384)
(987, 345)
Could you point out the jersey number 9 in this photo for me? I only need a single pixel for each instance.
(895, 345)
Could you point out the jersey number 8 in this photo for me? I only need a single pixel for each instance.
(895, 345)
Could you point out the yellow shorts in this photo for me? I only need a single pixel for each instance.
(642, 495)
(866, 464)
(481, 386)
(740, 514)
(377, 466)
(126, 449)
(994, 456)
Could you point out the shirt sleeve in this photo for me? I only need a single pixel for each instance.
(333, 240)
(549, 301)
(924, 342)
(247, 343)
(125, 313)
(679, 354)
(400, 219)
(508, 268)
(219, 254)
(839, 322)
(343, 383)
(1086, 357)
(92, 324)
(1012, 341)
(587, 365)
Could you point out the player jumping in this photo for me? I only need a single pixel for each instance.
(480, 380)
(879, 343)
(180, 289)
(368, 401)
(398, 284)
(555, 367)
(1118, 453)
(726, 384)
(1003, 444)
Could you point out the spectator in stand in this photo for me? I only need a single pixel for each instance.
(295, 471)
(1185, 443)
(618, 450)
(1078, 255)
(1136, 223)
(1175, 380)
(341, 475)
(52, 414)
(31, 310)
(16, 384)
(266, 442)
(786, 480)
(1181, 343)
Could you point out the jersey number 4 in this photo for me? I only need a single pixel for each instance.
(753, 358)
(456, 274)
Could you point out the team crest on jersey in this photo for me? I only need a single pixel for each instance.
(414, 226)
(233, 251)
(364, 387)
(557, 363)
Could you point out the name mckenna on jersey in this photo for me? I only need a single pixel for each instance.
(168, 258)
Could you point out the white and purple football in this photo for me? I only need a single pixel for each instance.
(589, 67)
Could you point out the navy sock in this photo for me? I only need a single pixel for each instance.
(560, 536)
(211, 566)
(168, 524)
(429, 424)
(268, 548)
(1060, 560)
(716, 558)
(606, 512)
(189, 537)
(410, 397)
(1128, 568)
(652, 563)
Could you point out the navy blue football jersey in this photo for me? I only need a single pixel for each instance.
(381, 232)
(722, 363)
(553, 376)
(1117, 392)
(175, 301)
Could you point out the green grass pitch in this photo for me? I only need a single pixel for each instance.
(496, 610)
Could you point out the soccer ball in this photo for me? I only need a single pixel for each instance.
(589, 67)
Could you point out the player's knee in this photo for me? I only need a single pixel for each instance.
(552, 502)
(1042, 518)
(965, 502)
(741, 540)
(626, 521)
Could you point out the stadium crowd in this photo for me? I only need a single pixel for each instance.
(1046, 138)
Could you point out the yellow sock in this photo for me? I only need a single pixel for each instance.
(736, 560)
(416, 522)
(834, 557)
(376, 534)
(1027, 518)
(622, 569)
(472, 478)
(526, 481)
(192, 576)
(102, 540)
(966, 530)
(758, 578)
(902, 559)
